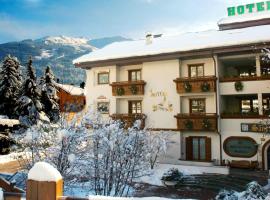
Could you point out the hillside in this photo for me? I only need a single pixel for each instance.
(57, 52)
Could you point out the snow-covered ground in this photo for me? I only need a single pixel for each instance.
(156, 174)
(131, 198)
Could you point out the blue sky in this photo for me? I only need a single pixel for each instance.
(23, 19)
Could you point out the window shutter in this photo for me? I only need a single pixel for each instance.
(208, 149)
(130, 107)
(189, 148)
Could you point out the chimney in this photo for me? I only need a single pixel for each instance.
(148, 38)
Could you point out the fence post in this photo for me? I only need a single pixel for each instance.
(44, 183)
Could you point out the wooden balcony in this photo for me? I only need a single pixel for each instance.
(243, 116)
(197, 122)
(128, 88)
(245, 78)
(129, 119)
(196, 85)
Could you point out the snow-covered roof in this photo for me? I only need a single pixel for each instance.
(245, 18)
(4, 121)
(179, 43)
(73, 90)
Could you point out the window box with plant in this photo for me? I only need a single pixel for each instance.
(206, 124)
(188, 124)
(172, 177)
(238, 85)
(205, 87)
(133, 89)
(188, 87)
(120, 91)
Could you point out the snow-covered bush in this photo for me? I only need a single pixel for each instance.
(61, 145)
(227, 195)
(90, 148)
(253, 192)
(172, 174)
(157, 145)
(118, 156)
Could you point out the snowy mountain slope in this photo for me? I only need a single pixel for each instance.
(57, 52)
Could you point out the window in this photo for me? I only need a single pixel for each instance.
(266, 105)
(197, 106)
(103, 78)
(196, 70)
(134, 75)
(135, 107)
(199, 148)
(249, 105)
(103, 107)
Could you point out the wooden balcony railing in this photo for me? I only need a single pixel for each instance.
(196, 85)
(128, 88)
(244, 78)
(129, 119)
(197, 122)
(243, 116)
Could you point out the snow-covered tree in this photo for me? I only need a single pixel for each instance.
(29, 107)
(49, 96)
(157, 145)
(90, 148)
(119, 156)
(10, 85)
(62, 145)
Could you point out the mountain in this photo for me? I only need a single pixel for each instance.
(57, 52)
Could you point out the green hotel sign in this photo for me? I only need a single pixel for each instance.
(249, 8)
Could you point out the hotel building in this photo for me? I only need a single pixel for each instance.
(210, 89)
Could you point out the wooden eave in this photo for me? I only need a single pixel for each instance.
(245, 24)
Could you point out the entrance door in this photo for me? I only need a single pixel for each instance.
(268, 157)
(198, 148)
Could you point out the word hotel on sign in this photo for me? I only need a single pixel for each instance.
(249, 8)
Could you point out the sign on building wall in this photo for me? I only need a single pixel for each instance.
(242, 147)
(249, 8)
(254, 127)
(163, 103)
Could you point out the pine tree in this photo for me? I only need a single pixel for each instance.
(29, 106)
(49, 96)
(10, 85)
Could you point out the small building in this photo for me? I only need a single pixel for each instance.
(71, 98)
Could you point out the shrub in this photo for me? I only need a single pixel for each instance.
(172, 174)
